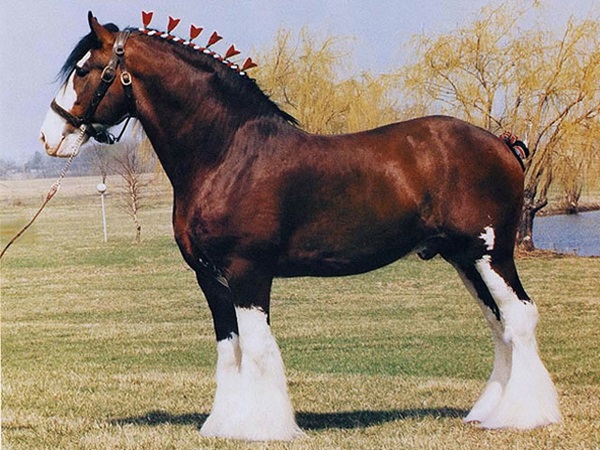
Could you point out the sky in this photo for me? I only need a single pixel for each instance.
(37, 35)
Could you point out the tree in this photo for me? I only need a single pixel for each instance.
(131, 159)
(303, 75)
(581, 159)
(37, 165)
(7, 167)
(128, 164)
(498, 75)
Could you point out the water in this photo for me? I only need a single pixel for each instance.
(579, 233)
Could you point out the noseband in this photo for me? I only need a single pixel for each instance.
(107, 78)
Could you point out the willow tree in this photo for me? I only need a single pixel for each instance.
(542, 86)
(305, 76)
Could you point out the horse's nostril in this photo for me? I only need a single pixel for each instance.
(43, 137)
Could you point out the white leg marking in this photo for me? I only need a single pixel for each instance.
(528, 399)
(498, 380)
(252, 401)
(229, 360)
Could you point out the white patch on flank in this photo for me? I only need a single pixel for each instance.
(519, 393)
(488, 236)
(251, 401)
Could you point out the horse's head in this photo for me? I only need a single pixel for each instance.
(90, 101)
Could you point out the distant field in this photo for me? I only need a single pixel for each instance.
(110, 345)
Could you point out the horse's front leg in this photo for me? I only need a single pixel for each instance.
(220, 302)
(251, 401)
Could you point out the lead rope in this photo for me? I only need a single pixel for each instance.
(53, 190)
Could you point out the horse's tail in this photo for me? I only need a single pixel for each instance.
(516, 146)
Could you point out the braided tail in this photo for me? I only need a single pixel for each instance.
(516, 146)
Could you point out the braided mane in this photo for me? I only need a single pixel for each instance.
(233, 77)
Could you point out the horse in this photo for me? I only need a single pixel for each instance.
(256, 197)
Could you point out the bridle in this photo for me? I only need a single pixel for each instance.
(109, 74)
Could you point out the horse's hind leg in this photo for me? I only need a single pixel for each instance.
(519, 392)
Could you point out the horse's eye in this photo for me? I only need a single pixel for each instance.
(81, 72)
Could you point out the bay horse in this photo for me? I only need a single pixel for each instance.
(256, 197)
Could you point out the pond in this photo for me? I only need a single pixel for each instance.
(578, 234)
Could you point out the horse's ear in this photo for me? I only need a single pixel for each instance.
(104, 36)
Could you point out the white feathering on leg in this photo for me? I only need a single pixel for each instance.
(529, 399)
(252, 401)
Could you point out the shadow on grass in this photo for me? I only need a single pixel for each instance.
(154, 418)
(307, 420)
(363, 419)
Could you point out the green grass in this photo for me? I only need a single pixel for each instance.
(110, 345)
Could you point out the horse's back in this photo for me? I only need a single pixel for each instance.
(435, 162)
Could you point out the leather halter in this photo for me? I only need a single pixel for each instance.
(107, 78)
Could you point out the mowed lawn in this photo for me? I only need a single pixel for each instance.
(110, 345)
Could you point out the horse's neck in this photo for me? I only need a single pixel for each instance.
(188, 128)
(185, 142)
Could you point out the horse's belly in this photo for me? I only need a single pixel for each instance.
(344, 236)
(355, 258)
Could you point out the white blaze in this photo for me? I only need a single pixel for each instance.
(58, 139)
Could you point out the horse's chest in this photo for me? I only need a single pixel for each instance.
(221, 224)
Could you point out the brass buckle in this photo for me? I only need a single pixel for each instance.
(108, 74)
(125, 79)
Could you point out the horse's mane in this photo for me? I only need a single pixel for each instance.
(86, 43)
(232, 81)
